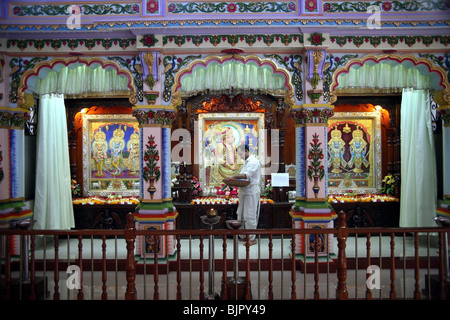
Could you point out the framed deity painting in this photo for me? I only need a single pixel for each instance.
(219, 135)
(111, 155)
(354, 152)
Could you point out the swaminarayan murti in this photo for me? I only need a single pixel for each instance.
(116, 144)
(133, 158)
(336, 151)
(358, 151)
(100, 147)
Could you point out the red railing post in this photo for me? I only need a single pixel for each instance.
(342, 234)
(130, 238)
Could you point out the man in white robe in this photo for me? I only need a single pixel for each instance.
(249, 196)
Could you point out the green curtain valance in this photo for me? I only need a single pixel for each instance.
(383, 76)
(81, 80)
(232, 74)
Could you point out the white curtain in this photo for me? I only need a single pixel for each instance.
(53, 196)
(418, 200)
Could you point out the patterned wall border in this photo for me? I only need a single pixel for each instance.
(236, 7)
(314, 22)
(385, 6)
(65, 9)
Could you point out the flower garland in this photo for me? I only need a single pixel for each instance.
(388, 185)
(196, 188)
(268, 189)
(347, 198)
(221, 200)
(106, 200)
(76, 190)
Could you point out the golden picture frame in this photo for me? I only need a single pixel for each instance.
(354, 153)
(217, 158)
(111, 155)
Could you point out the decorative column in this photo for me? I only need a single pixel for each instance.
(311, 209)
(444, 208)
(155, 210)
(12, 180)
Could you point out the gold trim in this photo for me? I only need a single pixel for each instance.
(151, 125)
(18, 109)
(152, 106)
(316, 199)
(151, 201)
(50, 64)
(316, 124)
(176, 94)
(444, 93)
(12, 200)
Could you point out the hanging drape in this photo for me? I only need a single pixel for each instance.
(383, 77)
(81, 80)
(418, 199)
(232, 74)
(53, 196)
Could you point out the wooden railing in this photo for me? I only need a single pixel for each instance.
(20, 275)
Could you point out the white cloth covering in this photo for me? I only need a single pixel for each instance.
(249, 196)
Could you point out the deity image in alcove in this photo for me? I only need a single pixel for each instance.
(134, 153)
(358, 151)
(99, 150)
(117, 144)
(114, 156)
(336, 151)
(221, 141)
(350, 153)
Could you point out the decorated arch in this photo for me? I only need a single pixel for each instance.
(78, 77)
(389, 73)
(238, 72)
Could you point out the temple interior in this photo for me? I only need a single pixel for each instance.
(119, 109)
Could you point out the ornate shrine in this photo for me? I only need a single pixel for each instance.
(309, 102)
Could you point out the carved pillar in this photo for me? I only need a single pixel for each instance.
(12, 179)
(311, 209)
(156, 210)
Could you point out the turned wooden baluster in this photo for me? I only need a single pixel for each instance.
(293, 271)
(270, 268)
(342, 234)
(56, 269)
(224, 274)
(202, 275)
(178, 267)
(104, 278)
(80, 264)
(32, 269)
(368, 291)
(156, 268)
(393, 294)
(130, 239)
(247, 271)
(316, 267)
(442, 272)
(417, 295)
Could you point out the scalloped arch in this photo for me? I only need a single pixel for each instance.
(438, 74)
(288, 92)
(56, 63)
